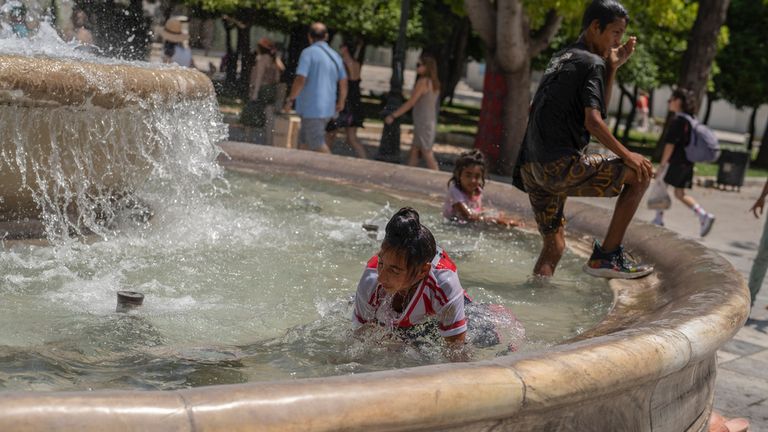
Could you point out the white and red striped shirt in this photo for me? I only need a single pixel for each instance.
(439, 294)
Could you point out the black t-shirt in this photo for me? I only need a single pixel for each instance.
(679, 134)
(574, 80)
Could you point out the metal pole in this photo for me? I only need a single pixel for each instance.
(389, 147)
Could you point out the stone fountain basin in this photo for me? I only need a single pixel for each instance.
(84, 97)
(648, 366)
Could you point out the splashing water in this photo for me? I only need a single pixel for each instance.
(83, 164)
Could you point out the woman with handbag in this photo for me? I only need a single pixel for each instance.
(351, 117)
(679, 170)
(262, 89)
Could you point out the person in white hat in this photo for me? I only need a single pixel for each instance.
(175, 48)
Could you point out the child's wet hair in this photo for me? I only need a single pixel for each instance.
(465, 160)
(406, 234)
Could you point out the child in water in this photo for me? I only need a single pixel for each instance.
(464, 200)
(410, 280)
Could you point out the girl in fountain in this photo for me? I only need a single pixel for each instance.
(410, 280)
(464, 200)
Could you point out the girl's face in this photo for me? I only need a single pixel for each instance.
(675, 104)
(471, 179)
(421, 68)
(394, 274)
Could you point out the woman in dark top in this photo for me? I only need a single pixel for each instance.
(679, 168)
(351, 117)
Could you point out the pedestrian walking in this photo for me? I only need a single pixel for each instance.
(319, 89)
(262, 86)
(759, 266)
(643, 110)
(679, 170)
(351, 117)
(569, 106)
(80, 32)
(424, 102)
(175, 47)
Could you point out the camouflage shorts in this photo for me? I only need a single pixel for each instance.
(549, 183)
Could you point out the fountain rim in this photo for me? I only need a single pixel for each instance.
(694, 312)
(50, 82)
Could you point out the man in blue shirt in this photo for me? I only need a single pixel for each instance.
(319, 89)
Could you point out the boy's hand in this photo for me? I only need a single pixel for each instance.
(757, 208)
(620, 55)
(640, 164)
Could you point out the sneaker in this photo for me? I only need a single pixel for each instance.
(615, 265)
(657, 222)
(706, 223)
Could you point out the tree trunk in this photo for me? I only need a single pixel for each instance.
(454, 55)
(619, 112)
(762, 154)
(710, 100)
(630, 117)
(751, 138)
(298, 41)
(490, 126)
(702, 47)
(651, 98)
(246, 59)
(230, 67)
(515, 116)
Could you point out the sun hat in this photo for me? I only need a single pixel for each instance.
(173, 31)
(266, 43)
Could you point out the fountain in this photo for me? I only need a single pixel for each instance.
(647, 365)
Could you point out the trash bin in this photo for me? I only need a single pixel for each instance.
(732, 168)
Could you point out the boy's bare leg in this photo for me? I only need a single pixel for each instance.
(551, 252)
(626, 206)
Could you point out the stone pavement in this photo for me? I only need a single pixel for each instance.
(741, 389)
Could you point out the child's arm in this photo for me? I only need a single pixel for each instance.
(467, 214)
(456, 348)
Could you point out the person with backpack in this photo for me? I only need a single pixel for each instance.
(678, 152)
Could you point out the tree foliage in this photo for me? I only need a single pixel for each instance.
(743, 63)
(376, 21)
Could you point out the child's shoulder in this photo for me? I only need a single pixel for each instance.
(443, 262)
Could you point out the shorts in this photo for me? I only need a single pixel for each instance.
(680, 175)
(312, 132)
(549, 183)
